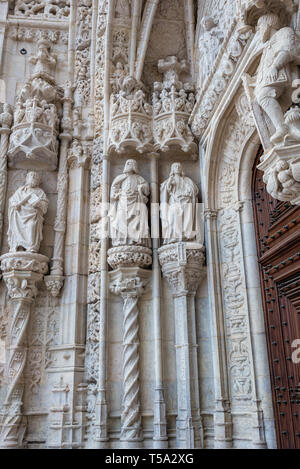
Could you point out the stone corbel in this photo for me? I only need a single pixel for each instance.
(281, 167)
(182, 266)
(22, 272)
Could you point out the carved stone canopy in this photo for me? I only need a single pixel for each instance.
(36, 117)
(254, 9)
(137, 125)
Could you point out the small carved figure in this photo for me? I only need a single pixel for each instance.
(118, 76)
(6, 117)
(27, 207)
(178, 195)
(44, 61)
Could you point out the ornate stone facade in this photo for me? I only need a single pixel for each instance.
(129, 302)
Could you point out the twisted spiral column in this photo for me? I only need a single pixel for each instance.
(130, 283)
(11, 428)
(22, 290)
(131, 417)
(4, 132)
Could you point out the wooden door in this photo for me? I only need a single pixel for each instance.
(278, 245)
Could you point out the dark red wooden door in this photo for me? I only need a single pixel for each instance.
(278, 245)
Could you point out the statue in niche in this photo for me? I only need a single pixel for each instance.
(119, 74)
(273, 83)
(44, 61)
(178, 205)
(209, 45)
(26, 210)
(123, 8)
(129, 213)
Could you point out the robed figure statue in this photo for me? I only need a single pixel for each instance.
(178, 207)
(26, 210)
(128, 212)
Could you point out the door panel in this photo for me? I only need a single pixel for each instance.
(278, 245)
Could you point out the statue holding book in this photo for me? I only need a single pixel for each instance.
(26, 210)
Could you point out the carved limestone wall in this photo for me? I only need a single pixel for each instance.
(215, 21)
(228, 218)
(156, 344)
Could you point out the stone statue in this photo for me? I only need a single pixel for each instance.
(128, 213)
(274, 76)
(178, 197)
(44, 61)
(209, 45)
(26, 210)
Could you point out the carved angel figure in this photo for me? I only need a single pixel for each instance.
(26, 210)
(178, 196)
(129, 214)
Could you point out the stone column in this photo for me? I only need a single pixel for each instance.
(21, 272)
(160, 437)
(130, 283)
(182, 266)
(55, 280)
(6, 121)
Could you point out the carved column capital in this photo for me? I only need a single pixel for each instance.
(129, 282)
(54, 284)
(210, 213)
(182, 266)
(21, 273)
(129, 256)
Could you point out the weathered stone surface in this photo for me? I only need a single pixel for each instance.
(117, 330)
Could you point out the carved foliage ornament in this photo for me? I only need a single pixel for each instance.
(52, 9)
